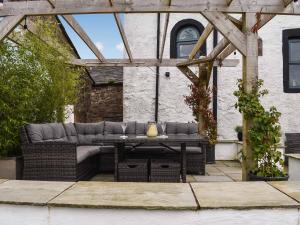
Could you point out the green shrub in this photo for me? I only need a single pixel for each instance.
(36, 83)
(264, 134)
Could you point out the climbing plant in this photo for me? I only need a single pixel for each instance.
(264, 134)
(199, 101)
(36, 81)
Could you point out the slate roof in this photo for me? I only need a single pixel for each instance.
(106, 75)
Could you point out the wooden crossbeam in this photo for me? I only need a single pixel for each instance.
(122, 33)
(83, 35)
(164, 36)
(7, 24)
(228, 29)
(167, 18)
(229, 2)
(52, 3)
(230, 48)
(236, 22)
(208, 29)
(287, 2)
(188, 73)
(150, 6)
(144, 62)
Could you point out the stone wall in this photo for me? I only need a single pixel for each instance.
(98, 103)
(139, 83)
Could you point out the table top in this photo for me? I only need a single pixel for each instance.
(158, 139)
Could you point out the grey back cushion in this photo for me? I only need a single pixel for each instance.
(46, 132)
(116, 128)
(71, 132)
(181, 128)
(87, 133)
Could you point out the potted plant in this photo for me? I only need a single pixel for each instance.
(239, 132)
(264, 134)
(199, 101)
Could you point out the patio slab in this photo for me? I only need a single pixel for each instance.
(290, 188)
(212, 179)
(2, 181)
(22, 192)
(240, 195)
(128, 195)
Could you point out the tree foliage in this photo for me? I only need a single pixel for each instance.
(36, 83)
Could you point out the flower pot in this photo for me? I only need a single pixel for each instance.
(240, 136)
(11, 168)
(253, 177)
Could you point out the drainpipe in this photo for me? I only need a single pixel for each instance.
(157, 67)
(215, 81)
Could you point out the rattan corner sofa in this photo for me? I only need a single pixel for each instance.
(66, 152)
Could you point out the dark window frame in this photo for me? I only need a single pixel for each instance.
(178, 27)
(286, 36)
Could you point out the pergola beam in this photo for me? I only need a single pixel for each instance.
(208, 29)
(188, 73)
(122, 33)
(144, 62)
(7, 24)
(52, 3)
(166, 24)
(228, 29)
(83, 35)
(149, 6)
(163, 42)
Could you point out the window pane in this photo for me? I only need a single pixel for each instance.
(188, 34)
(294, 79)
(294, 49)
(184, 49)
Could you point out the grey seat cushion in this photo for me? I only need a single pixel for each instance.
(46, 132)
(84, 152)
(88, 132)
(71, 132)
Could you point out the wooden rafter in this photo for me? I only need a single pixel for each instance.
(287, 2)
(230, 48)
(208, 29)
(7, 24)
(188, 73)
(228, 29)
(122, 33)
(144, 62)
(52, 3)
(166, 24)
(83, 35)
(229, 2)
(150, 6)
(163, 42)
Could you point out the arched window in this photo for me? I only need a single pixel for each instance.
(184, 36)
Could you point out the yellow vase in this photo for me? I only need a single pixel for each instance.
(152, 130)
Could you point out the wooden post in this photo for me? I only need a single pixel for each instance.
(250, 76)
(202, 80)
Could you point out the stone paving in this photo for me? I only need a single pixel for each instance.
(221, 171)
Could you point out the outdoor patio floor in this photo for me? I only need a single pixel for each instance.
(221, 171)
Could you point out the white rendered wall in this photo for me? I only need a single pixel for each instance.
(34, 215)
(139, 83)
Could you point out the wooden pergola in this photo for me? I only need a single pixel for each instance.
(239, 34)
